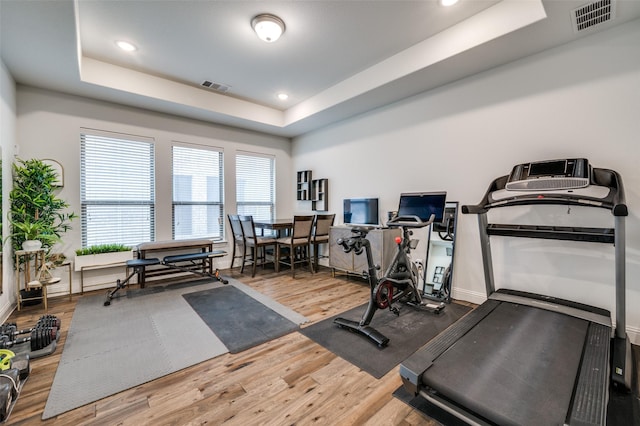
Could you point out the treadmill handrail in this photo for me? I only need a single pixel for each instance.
(615, 200)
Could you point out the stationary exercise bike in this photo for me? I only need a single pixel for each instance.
(399, 283)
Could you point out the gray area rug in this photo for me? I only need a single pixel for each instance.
(133, 341)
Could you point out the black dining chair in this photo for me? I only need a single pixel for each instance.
(256, 244)
(320, 235)
(297, 245)
(238, 241)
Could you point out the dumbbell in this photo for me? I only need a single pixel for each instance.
(12, 333)
(50, 320)
(39, 339)
(46, 321)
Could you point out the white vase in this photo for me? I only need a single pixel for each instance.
(31, 245)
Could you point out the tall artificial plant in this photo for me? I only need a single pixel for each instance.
(35, 210)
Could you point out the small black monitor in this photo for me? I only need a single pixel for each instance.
(361, 211)
(423, 205)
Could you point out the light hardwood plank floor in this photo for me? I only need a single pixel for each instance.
(287, 381)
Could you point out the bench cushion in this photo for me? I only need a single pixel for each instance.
(193, 256)
(142, 262)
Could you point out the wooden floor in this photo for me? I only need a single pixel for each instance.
(288, 381)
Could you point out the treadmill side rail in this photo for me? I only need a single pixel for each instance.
(453, 410)
(592, 388)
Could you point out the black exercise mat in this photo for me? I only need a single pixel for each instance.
(407, 332)
(238, 320)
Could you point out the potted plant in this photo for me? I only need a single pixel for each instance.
(102, 255)
(31, 234)
(36, 213)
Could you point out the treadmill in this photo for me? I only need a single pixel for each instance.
(528, 359)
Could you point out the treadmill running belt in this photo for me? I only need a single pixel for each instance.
(517, 366)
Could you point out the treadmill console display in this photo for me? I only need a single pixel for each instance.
(550, 175)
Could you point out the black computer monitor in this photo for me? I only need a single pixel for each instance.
(361, 211)
(423, 205)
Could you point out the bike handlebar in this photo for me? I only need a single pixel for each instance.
(410, 221)
(355, 243)
(350, 244)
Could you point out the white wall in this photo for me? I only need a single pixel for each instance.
(49, 123)
(7, 142)
(578, 100)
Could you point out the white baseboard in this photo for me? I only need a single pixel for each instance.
(634, 335)
(468, 296)
(6, 310)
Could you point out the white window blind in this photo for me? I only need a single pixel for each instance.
(255, 186)
(117, 190)
(197, 193)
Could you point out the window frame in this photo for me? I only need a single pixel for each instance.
(218, 205)
(257, 203)
(87, 136)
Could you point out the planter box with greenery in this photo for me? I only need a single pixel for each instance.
(102, 255)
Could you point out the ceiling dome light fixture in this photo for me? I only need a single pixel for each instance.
(268, 27)
(283, 96)
(448, 2)
(126, 46)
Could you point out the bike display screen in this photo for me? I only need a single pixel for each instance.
(423, 205)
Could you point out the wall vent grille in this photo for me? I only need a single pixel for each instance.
(218, 87)
(593, 14)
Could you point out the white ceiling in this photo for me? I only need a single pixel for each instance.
(336, 59)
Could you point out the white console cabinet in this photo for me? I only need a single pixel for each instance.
(383, 248)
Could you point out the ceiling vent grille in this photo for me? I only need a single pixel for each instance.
(593, 14)
(218, 87)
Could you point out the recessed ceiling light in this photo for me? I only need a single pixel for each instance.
(448, 2)
(268, 27)
(283, 96)
(126, 46)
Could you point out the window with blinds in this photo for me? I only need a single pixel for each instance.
(198, 201)
(117, 190)
(255, 186)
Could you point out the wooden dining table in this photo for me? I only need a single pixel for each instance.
(281, 226)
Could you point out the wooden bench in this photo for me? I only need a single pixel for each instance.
(198, 260)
